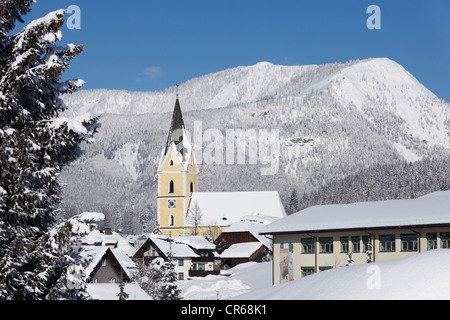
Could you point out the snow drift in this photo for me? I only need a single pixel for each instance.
(421, 277)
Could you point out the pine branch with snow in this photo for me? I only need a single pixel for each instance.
(35, 147)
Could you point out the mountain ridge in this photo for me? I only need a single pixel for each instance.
(333, 121)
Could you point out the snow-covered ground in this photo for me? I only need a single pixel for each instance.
(243, 278)
(421, 277)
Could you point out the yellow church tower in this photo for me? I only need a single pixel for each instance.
(177, 177)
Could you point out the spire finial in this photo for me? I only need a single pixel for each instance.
(177, 89)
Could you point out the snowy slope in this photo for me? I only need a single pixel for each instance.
(421, 277)
(229, 87)
(380, 90)
(333, 120)
(243, 278)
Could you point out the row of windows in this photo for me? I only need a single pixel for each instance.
(409, 242)
(326, 245)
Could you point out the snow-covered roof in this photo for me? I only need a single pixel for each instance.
(196, 242)
(432, 209)
(241, 250)
(248, 226)
(123, 243)
(225, 208)
(95, 255)
(179, 250)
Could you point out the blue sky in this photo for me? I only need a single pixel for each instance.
(145, 45)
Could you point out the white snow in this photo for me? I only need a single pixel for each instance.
(225, 208)
(74, 124)
(242, 279)
(127, 156)
(252, 227)
(179, 250)
(109, 291)
(431, 209)
(421, 277)
(241, 250)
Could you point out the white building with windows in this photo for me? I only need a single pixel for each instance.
(323, 237)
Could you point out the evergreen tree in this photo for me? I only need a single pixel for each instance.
(293, 202)
(122, 294)
(149, 277)
(169, 287)
(34, 146)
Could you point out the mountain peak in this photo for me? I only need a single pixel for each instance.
(263, 64)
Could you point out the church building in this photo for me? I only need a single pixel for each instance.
(183, 210)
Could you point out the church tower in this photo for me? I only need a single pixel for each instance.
(177, 177)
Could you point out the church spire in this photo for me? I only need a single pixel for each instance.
(177, 132)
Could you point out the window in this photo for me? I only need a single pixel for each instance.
(306, 271)
(387, 243)
(445, 240)
(171, 187)
(308, 245)
(409, 242)
(431, 241)
(180, 275)
(326, 245)
(192, 187)
(171, 163)
(345, 245)
(356, 245)
(325, 268)
(171, 221)
(180, 262)
(199, 267)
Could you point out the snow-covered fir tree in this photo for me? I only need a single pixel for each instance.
(122, 294)
(169, 287)
(34, 146)
(369, 253)
(350, 260)
(149, 277)
(293, 202)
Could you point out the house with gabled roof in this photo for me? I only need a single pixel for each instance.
(107, 265)
(194, 256)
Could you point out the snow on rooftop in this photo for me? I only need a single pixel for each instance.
(179, 250)
(196, 242)
(428, 210)
(252, 227)
(241, 250)
(225, 208)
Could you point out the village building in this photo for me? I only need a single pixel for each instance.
(322, 237)
(242, 253)
(193, 256)
(108, 265)
(183, 210)
(241, 242)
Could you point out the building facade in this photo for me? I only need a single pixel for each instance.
(324, 237)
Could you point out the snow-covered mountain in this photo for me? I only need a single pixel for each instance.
(333, 120)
